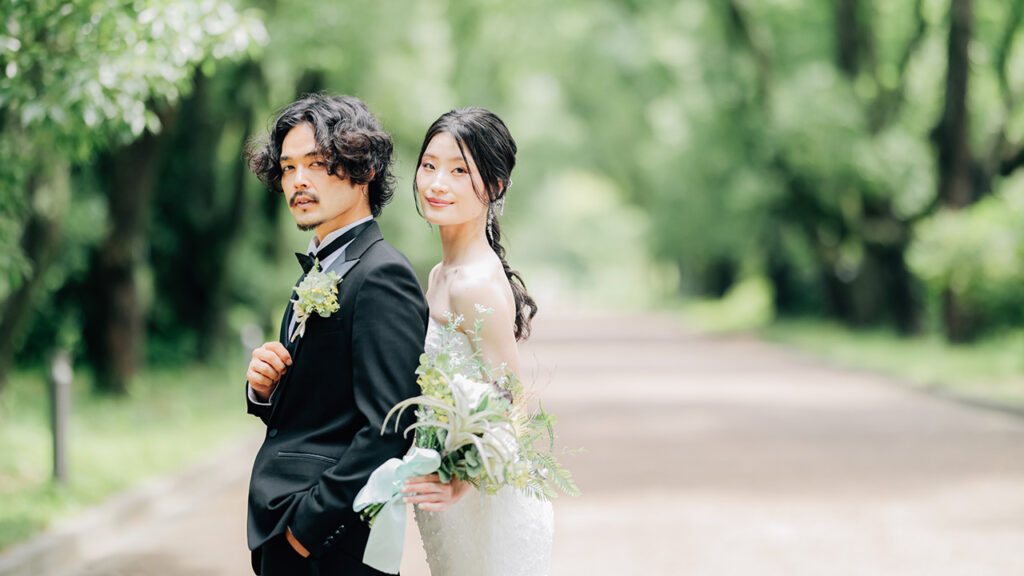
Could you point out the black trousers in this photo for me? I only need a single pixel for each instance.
(278, 558)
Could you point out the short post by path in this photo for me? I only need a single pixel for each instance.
(60, 378)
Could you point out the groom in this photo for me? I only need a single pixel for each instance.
(324, 387)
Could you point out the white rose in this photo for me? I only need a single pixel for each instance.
(471, 390)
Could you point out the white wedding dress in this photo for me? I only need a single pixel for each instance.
(504, 534)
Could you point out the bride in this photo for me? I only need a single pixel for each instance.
(461, 182)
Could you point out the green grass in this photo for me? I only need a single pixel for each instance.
(990, 371)
(172, 418)
(747, 306)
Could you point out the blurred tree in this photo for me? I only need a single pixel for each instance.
(78, 77)
(848, 139)
(977, 254)
(812, 144)
(979, 148)
(202, 204)
(951, 136)
(827, 122)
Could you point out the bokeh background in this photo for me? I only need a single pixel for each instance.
(844, 175)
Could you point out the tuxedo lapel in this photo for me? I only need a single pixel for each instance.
(285, 320)
(341, 267)
(288, 311)
(367, 238)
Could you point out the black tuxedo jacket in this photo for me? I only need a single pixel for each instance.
(324, 423)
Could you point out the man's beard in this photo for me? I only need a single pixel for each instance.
(311, 196)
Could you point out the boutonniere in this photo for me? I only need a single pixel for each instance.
(316, 294)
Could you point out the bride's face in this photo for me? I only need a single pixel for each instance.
(448, 184)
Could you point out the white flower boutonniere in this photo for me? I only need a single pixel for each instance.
(316, 294)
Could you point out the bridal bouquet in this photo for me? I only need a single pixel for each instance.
(473, 424)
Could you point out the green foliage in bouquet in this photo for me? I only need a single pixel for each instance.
(476, 417)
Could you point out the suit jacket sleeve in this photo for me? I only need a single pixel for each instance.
(262, 411)
(388, 329)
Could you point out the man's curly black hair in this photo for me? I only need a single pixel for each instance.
(347, 135)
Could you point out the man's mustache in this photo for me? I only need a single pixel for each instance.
(306, 195)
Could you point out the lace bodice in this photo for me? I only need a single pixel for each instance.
(458, 344)
(435, 341)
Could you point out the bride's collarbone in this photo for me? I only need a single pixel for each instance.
(468, 273)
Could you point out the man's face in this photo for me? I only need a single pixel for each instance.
(317, 200)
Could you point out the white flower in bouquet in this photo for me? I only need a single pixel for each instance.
(471, 390)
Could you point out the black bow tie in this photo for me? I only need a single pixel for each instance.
(307, 260)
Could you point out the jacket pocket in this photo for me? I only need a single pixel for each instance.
(308, 456)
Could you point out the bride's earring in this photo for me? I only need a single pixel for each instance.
(490, 221)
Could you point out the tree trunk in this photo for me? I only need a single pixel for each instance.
(952, 134)
(228, 228)
(960, 322)
(785, 292)
(743, 30)
(900, 286)
(119, 315)
(204, 208)
(48, 196)
(836, 294)
(895, 284)
(719, 277)
(848, 37)
(855, 40)
(951, 137)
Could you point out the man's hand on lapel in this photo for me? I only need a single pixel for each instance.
(269, 362)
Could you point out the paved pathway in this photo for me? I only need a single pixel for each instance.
(716, 456)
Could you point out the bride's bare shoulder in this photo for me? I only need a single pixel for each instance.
(434, 273)
(480, 285)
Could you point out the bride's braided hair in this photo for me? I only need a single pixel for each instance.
(489, 142)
